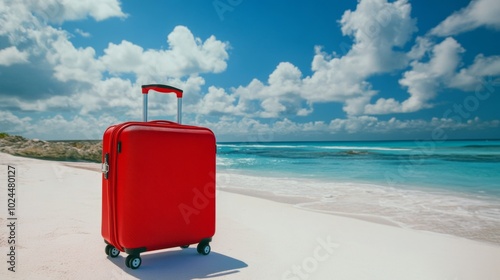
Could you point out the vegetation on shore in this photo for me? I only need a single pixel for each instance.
(52, 150)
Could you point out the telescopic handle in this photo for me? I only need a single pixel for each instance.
(162, 89)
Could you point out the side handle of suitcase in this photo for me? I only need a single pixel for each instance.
(162, 89)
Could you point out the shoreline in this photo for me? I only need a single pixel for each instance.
(302, 202)
(454, 214)
(325, 200)
(256, 238)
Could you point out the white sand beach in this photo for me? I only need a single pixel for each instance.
(58, 210)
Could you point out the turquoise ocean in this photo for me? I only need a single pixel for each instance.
(453, 186)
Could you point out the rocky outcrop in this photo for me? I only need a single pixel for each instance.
(53, 150)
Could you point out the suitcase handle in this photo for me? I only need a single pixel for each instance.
(162, 89)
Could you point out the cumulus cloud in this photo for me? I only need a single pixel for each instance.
(279, 96)
(58, 11)
(378, 26)
(99, 90)
(423, 80)
(12, 55)
(82, 33)
(441, 71)
(217, 101)
(13, 123)
(75, 81)
(70, 63)
(76, 127)
(477, 14)
(186, 55)
(378, 29)
(53, 64)
(251, 130)
(469, 78)
(65, 77)
(56, 127)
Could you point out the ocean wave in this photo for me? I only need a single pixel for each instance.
(261, 146)
(368, 154)
(362, 148)
(336, 147)
(481, 147)
(354, 152)
(470, 158)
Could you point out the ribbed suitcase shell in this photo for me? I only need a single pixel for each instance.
(160, 187)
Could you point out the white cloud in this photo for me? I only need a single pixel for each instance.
(423, 80)
(58, 11)
(74, 64)
(77, 127)
(95, 88)
(384, 106)
(356, 106)
(24, 16)
(193, 55)
(123, 58)
(186, 55)
(426, 79)
(74, 79)
(232, 128)
(12, 55)
(111, 94)
(82, 33)
(469, 78)
(55, 66)
(422, 47)
(478, 13)
(56, 127)
(10, 23)
(353, 124)
(251, 130)
(58, 102)
(377, 27)
(280, 96)
(14, 124)
(217, 101)
(285, 79)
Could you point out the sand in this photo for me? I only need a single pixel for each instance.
(58, 237)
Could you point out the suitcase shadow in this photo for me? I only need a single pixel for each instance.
(181, 264)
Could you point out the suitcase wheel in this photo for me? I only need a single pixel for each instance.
(133, 261)
(203, 248)
(185, 246)
(112, 251)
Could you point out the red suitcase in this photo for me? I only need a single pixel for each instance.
(158, 185)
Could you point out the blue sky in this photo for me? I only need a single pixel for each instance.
(254, 70)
